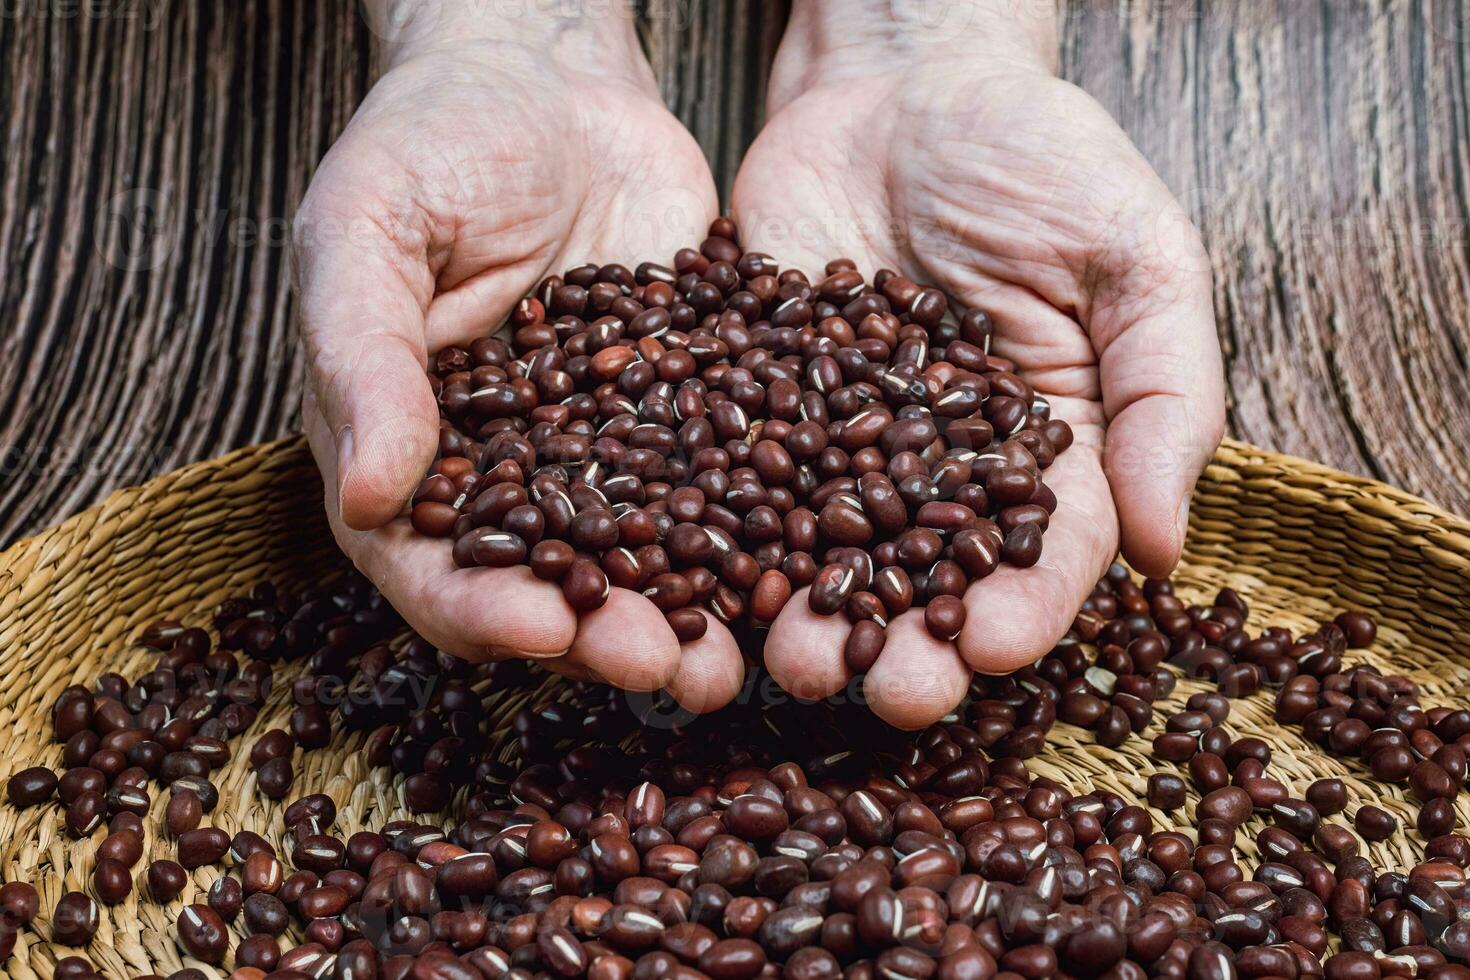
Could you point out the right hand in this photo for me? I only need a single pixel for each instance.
(473, 168)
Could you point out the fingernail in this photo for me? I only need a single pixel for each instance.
(508, 653)
(1181, 519)
(344, 461)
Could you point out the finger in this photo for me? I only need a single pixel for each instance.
(1015, 616)
(364, 283)
(917, 679)
(474, 613)
(1163, 392)
(628, 643)
(711, 670)
(804, 650)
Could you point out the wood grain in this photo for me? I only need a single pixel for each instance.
(153, 155)
(152, 159)
(1323, 150)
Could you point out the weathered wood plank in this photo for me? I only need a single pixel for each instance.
(149, 175)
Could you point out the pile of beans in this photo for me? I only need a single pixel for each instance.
(767, 840)
(721, 432)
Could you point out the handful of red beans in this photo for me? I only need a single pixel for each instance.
(721, 432)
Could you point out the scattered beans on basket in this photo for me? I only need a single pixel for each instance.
(719, 433)
(771, 839)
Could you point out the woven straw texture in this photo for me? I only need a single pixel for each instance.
(1284, 533)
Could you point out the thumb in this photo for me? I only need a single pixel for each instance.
(363, 293)
(1163, 394)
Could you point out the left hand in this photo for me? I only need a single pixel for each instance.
(976, 170)
(492, 152)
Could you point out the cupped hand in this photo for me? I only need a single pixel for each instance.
(472, 170)
(1016, 193)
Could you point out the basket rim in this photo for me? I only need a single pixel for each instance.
(1249, 462)
(21, 556)
(1254, 462)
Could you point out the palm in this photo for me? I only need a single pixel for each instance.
(1011, 192)
(482, 171)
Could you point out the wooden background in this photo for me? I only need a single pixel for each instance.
(152, 152)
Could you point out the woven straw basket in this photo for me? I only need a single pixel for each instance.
(1286, 534)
